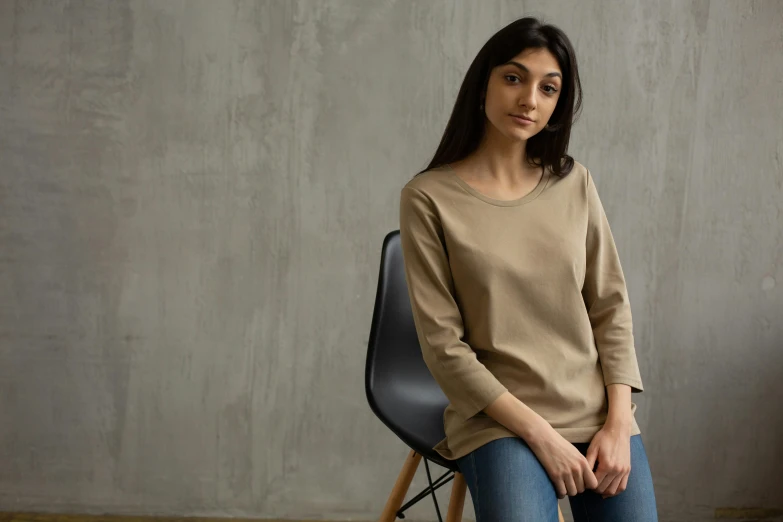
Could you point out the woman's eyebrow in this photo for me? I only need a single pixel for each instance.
(525, 69)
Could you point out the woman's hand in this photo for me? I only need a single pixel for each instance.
(611, 447)
(568, 470)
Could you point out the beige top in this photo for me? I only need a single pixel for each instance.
(525, 296)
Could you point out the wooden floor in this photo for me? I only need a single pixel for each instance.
(60, 517)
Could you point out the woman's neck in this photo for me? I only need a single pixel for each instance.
(502, 159)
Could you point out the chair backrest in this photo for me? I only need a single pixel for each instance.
(400, 389)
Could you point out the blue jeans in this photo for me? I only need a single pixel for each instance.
(508, 484)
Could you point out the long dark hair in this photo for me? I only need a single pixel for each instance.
(466, 125)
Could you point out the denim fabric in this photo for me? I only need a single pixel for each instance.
(507, 483)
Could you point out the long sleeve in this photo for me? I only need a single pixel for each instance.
(606, 299)
(466, 382)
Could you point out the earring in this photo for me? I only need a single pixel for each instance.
(481, 105)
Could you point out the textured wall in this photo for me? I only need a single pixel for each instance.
(194, 196)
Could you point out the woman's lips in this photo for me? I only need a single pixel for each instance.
(521, 120)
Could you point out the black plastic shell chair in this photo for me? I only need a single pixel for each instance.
(400, 389)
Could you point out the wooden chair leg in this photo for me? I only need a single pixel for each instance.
(457, 500)
(400, 489)
(560, 515)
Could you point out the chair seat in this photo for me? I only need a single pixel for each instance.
(434, 456)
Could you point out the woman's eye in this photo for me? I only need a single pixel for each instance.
(511, 77)
(551, 90)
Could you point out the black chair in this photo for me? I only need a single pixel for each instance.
(402, 392)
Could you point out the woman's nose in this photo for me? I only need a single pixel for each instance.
(528, 97)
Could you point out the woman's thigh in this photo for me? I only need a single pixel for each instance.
(636, 503)
(508, 484)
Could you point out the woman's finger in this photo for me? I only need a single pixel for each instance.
(589, 478)
(579, 481)
(612, 489)
(600, 477)
(624, 483)
(570, 486)
(603, 482)
(560, 489)
(592, 455)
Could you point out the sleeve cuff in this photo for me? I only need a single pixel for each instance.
(635, 384)
(472, 408)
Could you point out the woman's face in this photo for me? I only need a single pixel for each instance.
(522, 94)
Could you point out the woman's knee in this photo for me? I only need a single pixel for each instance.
(508, 483)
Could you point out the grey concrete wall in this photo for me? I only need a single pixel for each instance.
(193, 198)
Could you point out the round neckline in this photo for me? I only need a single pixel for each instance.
(530, 196)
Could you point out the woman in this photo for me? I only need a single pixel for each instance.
(519, 298)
